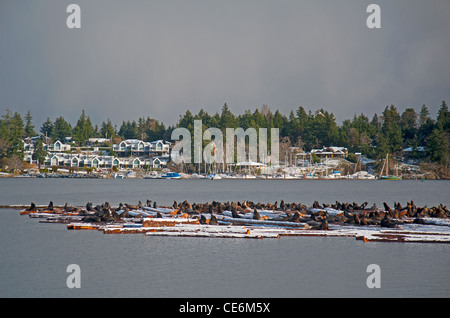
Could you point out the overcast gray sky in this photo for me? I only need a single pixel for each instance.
(159, 58)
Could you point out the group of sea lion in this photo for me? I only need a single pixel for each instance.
(317, 217)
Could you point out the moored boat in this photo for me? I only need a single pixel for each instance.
(171, 175)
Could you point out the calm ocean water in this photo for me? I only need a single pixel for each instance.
(34, 256)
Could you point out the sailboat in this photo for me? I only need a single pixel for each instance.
(387, 176)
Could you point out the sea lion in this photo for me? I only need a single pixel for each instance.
(67, 208)
(234, 213)
(316, 205)
(418, 221)
(203, 219)
(213, 220)
(125, 213)
(440, 213)
(295, 217)
(386, 222)
(131, 207)
(365, 220)
(386, 207)
(324, 225)
(105, 214)
(50, 206)
(115, 216)
(256, 215)
(32, 207)
(356, 219)
(90, 218)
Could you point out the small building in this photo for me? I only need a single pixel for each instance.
(330, 152)
(98, 141)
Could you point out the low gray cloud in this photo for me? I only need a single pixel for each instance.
(160, 58)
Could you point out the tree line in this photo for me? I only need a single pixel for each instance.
(388, 132)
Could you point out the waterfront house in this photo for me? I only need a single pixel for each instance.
(57, 146)
(330, 152)
(139, 148)
(132, 154)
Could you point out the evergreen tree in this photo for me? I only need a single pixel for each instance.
(392, 132)
(303, 126)
(281, 122)
(443, 117)
(11, 133)
(61, 129)
(227, 119)
(129, 130)
(47, 128)
(438, 146)
(293, 127)
(83, 129)
(107, 129)
(424, 115)
(439, 140)
(426, 125)
(39, 152)
(29, 128)
(156, 131)
(187, 121)
(258, 120)
(408, 125)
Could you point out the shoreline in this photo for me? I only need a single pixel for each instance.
(209, 177)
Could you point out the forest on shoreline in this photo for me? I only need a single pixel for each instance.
(387, 133)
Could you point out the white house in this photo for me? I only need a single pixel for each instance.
(139, 148)
(143, 154)
(57, 146)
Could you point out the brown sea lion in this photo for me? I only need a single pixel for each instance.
(32, 207)
(295, 217)
(234, 213)
(213, 220)
(256, 215)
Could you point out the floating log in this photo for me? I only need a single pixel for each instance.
(405, 238)
(213, 231)
(157, 222)
(245, 221)
(83, 226)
